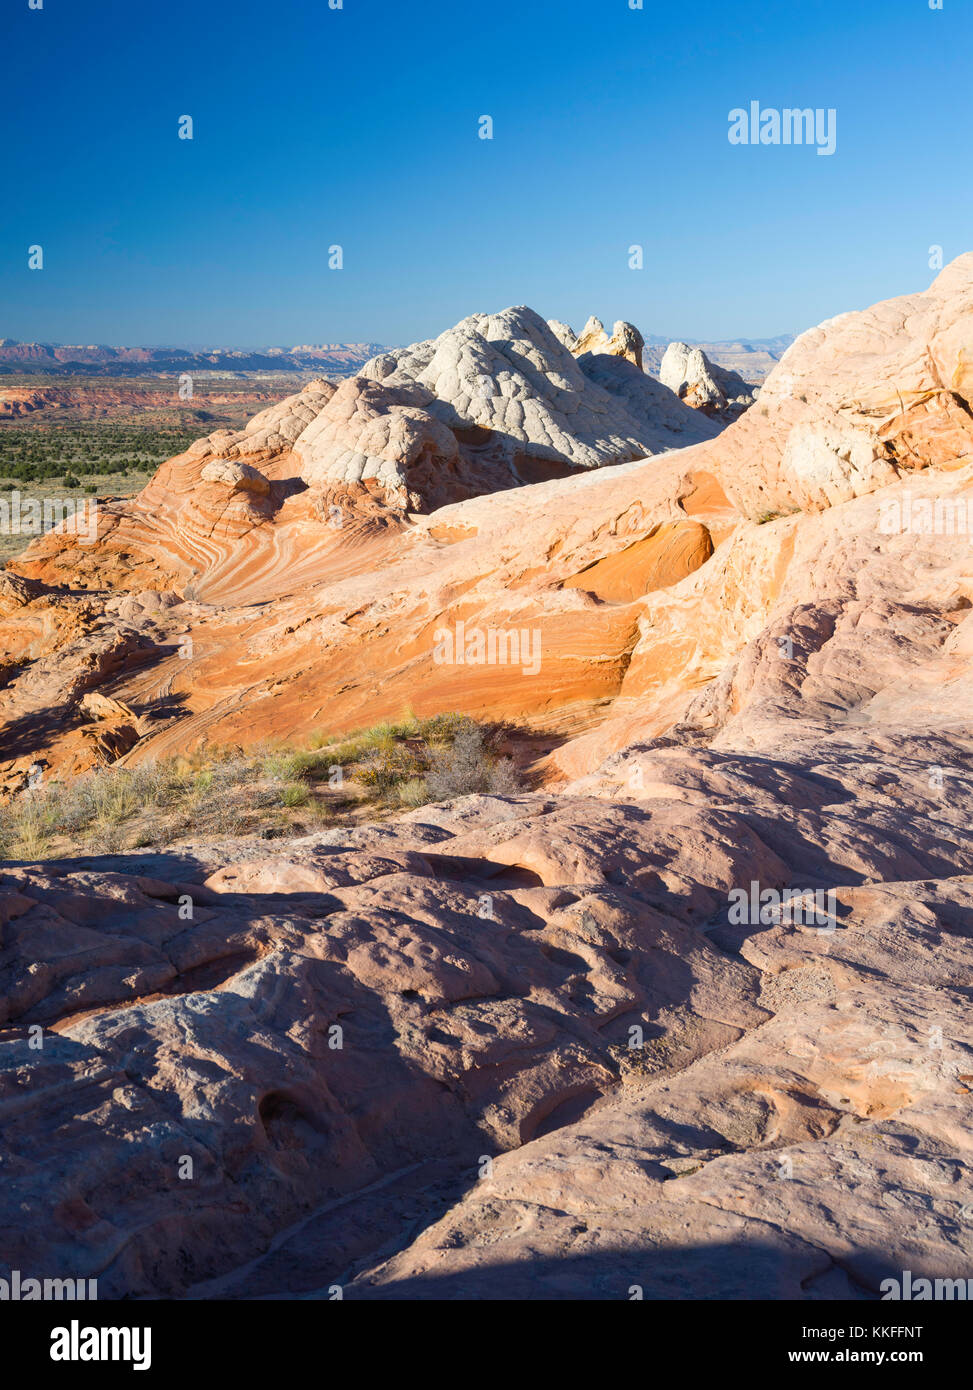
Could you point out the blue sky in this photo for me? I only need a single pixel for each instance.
(358, 127)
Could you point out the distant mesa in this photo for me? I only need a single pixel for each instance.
(752, 359)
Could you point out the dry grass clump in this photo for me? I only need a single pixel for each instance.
(269, 792)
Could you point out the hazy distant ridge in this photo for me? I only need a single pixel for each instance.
(98, 359)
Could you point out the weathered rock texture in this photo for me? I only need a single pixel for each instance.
(368, 1017)
(494, 402)
(755, 660)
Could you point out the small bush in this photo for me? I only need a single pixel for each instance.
(467, 766)
(388, 767)
(28, 833)
(443, 728)
(288, 765)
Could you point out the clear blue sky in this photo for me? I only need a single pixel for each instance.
(359, 127)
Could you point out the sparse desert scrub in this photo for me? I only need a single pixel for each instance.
(438, 759)
(152, 804)
(408, 761)
(385, 769)
(270, 792)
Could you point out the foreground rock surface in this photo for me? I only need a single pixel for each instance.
(401, 1058)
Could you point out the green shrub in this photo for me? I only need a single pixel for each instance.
(295, 794)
